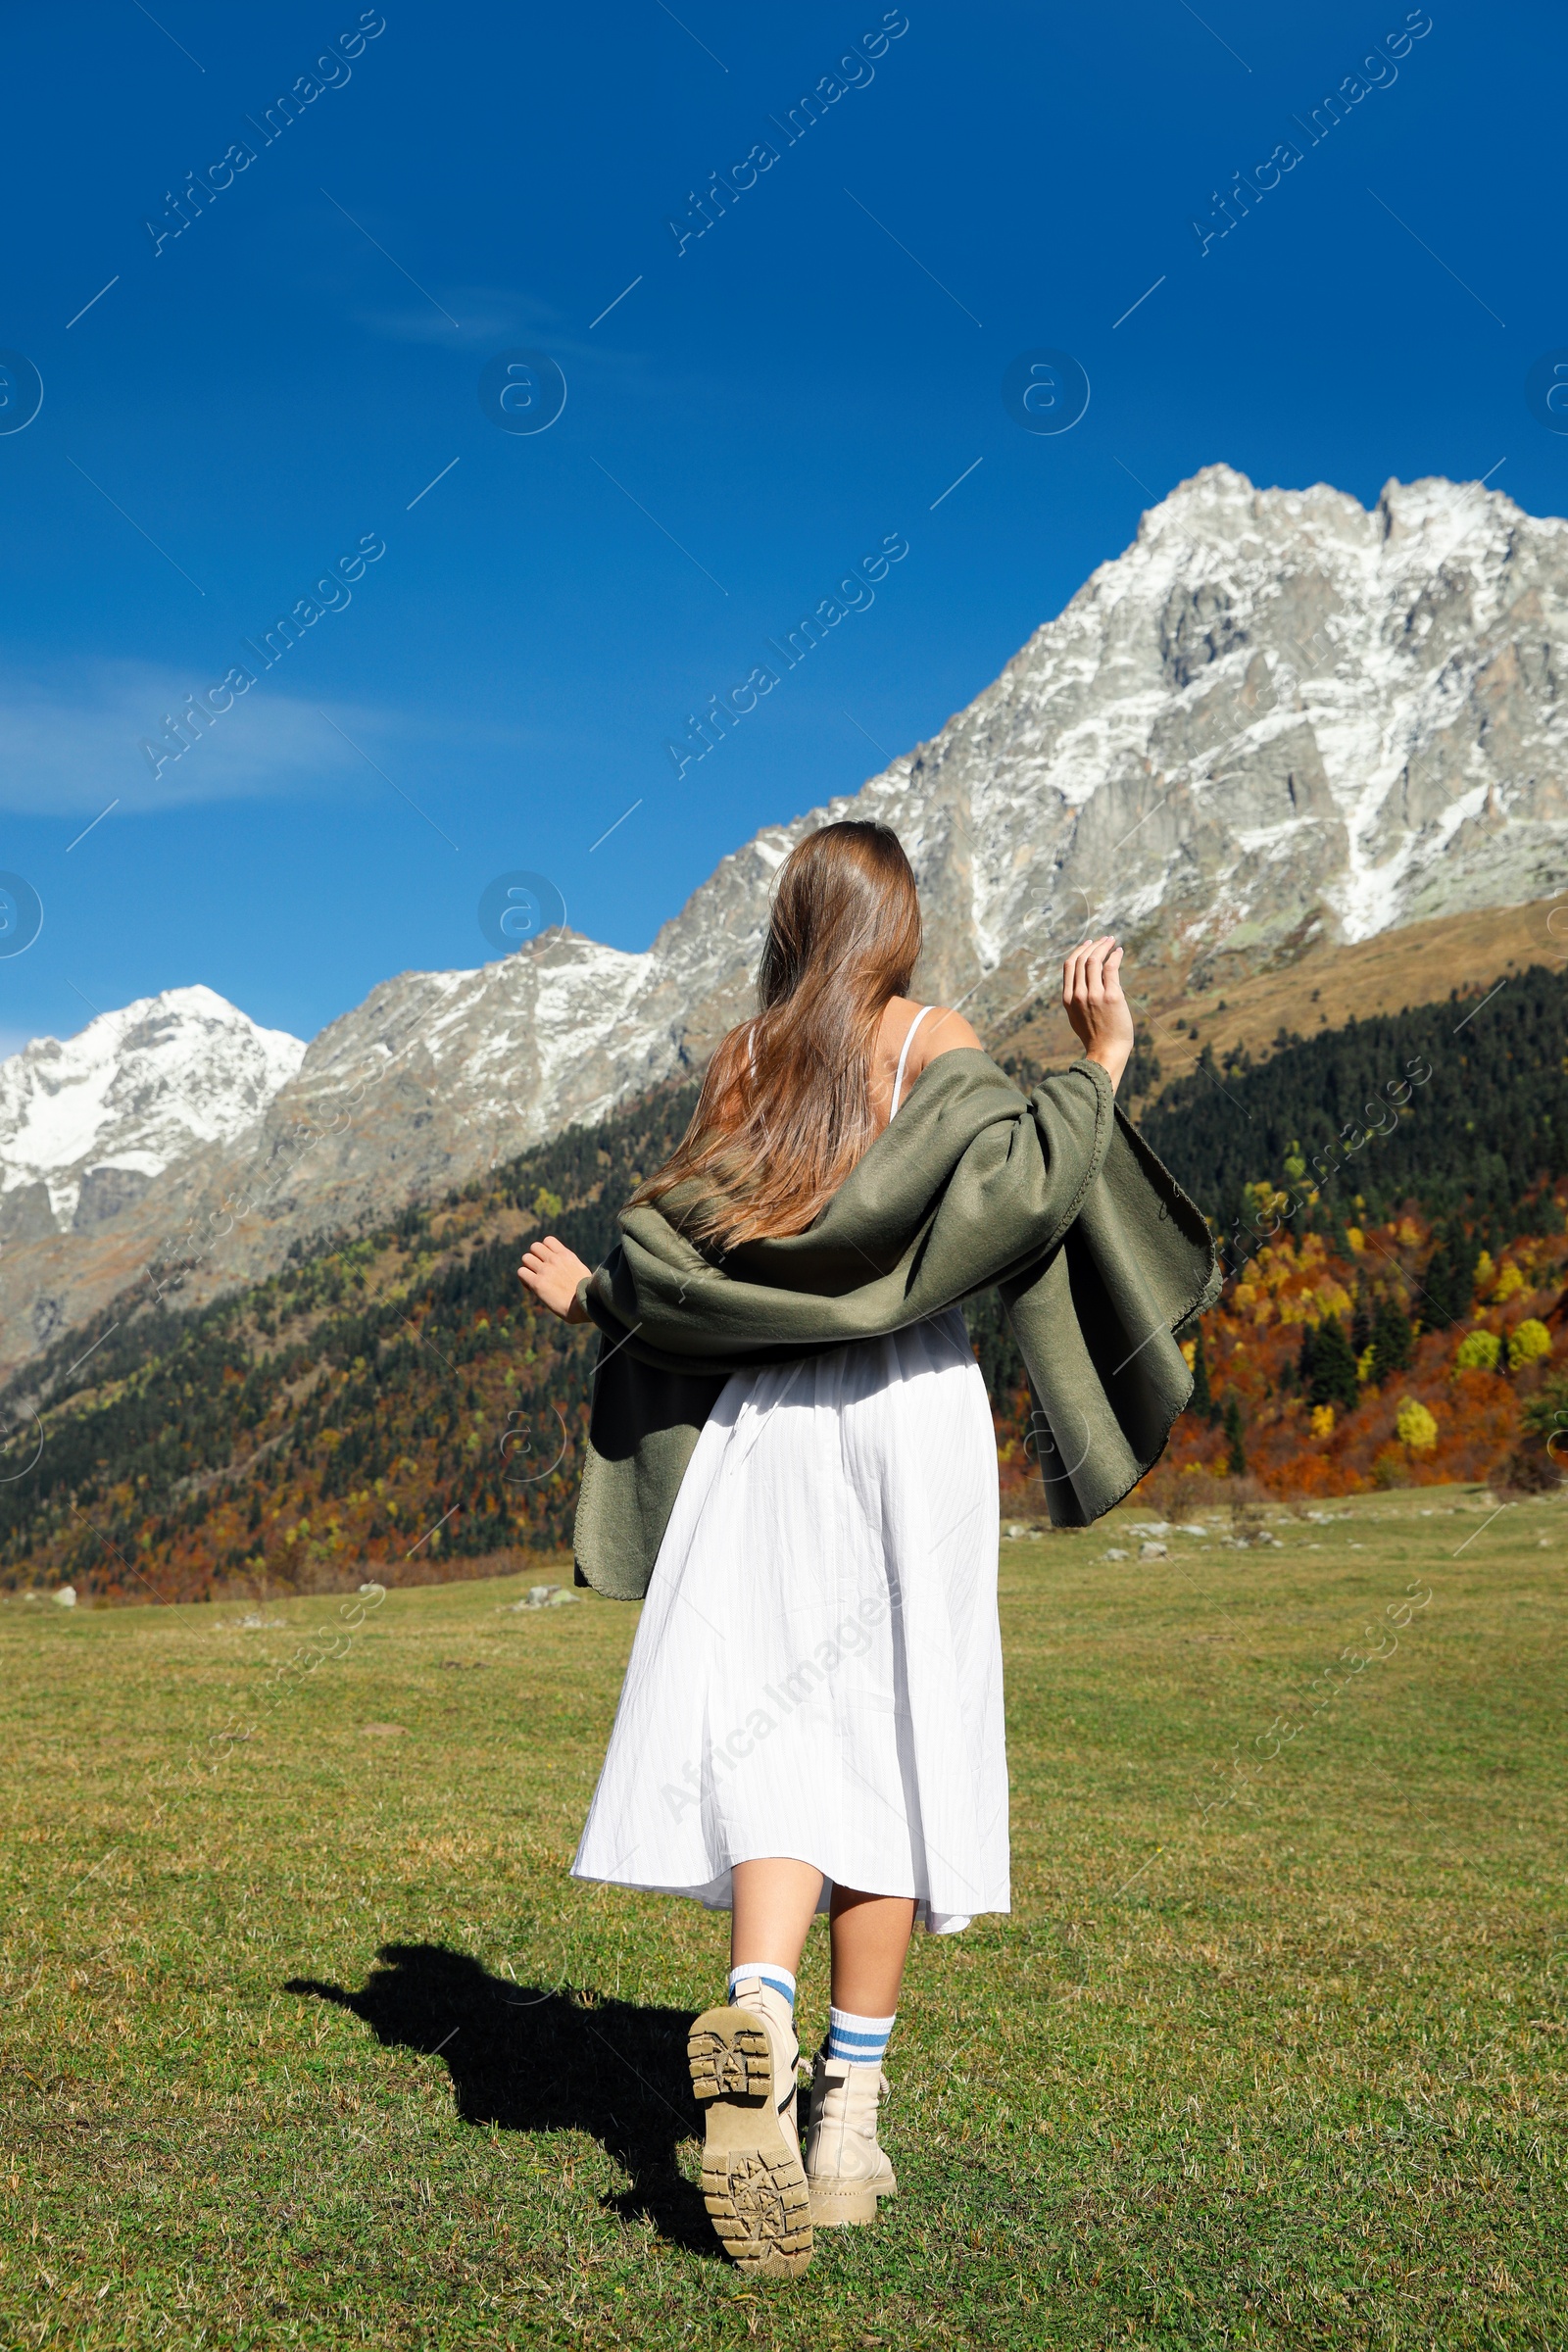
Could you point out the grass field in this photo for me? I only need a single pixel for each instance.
(310, 2040)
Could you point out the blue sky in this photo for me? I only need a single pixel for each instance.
(258, 401)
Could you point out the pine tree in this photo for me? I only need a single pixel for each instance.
(1333, 1380)
(1236, 1458)
(1360, 1326)
(1392, 1337)
(1201, 1404)
(1449, 1278)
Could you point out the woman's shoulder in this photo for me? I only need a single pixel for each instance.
(940, 1031)
(917, 1034)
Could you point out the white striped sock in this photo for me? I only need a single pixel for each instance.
(863, 2040)
(770, 1973)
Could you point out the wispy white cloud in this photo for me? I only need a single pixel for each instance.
(70, 742)
(490, 319)
(488, 315)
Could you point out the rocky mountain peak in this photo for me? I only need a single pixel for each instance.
(87, 1123)
(1276, 720)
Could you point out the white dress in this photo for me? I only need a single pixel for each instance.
(817, 1669)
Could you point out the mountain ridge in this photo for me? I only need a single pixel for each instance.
(390, 1401)
(87, 1123)
(1276, 723)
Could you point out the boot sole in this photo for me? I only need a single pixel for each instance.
(754, 2184)
(841, 2208)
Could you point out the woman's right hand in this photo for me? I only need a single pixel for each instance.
(1100, 1017)
(552, 1272)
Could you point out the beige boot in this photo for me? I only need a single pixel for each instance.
(742, 2061)
(756, 1994)
(846, 2171)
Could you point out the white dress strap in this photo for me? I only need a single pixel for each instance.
(904, 1055)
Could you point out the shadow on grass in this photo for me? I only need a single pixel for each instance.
(530, 2060)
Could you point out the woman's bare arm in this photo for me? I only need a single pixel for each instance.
(551, 1271)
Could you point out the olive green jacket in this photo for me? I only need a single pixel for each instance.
(1056, 1200)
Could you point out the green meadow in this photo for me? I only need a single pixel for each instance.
(309, 2039)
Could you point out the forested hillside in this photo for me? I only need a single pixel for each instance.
(387, 1399)
(1401, 1175)
(1462, 1105)
(1392, 1193)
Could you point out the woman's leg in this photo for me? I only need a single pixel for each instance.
(846, 2167)
(870, 1940)
(743, 2058)
(773, 1904)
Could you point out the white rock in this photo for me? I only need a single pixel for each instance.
(65, 1596)
(1153, 1551)
(540, 1596)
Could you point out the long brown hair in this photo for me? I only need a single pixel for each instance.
(785, 1110)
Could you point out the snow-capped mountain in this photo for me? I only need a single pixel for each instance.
(85, 1126)
(1277, 720)
(1274, 717)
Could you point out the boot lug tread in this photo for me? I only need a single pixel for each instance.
(753, 2185)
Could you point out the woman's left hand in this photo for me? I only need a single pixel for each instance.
(552, 1273)
(1100, 1017)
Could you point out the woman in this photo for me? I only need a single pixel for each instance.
(812, 1713)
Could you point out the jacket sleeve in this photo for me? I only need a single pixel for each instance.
(643, 1429)
(1096, 1319)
